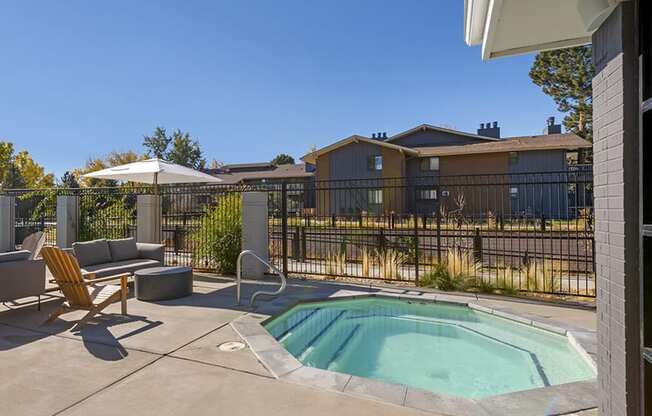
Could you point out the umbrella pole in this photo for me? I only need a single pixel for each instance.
(159, 210)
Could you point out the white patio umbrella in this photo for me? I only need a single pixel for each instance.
(154, 172)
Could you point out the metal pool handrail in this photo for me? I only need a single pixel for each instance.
(260, 292)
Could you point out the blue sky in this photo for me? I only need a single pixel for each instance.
(249, 79)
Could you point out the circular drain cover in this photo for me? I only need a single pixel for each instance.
(230, 346)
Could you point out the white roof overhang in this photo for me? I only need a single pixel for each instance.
(513, 27)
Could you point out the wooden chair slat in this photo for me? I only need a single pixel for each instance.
(78, 293)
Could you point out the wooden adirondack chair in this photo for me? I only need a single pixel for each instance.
(79, 293)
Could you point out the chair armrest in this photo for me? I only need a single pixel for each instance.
(123, 276)
(89, 275)
(151, 251)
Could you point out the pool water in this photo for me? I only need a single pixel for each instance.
(438, 347)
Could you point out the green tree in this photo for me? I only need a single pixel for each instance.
(565, 75)
(68, 180)
(178, 148)
(12, 179)
(283, 159)
(20, 170)
(6, 157)
(33, 174)
(157, 144)
(185, 151)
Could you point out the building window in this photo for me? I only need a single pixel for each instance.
(513, 158)
(375, 163)
(375, 196)
(430, 164)
(427, 194)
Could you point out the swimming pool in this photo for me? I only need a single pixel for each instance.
(438, 347)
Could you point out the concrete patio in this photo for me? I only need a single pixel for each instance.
(163, 359)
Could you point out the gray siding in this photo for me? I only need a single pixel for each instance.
(431, 138)
(350, 162)
(541, 200)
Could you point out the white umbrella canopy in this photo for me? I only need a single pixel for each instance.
(153, 171)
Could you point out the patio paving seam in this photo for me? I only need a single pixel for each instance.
(160, 356)
(111, 384)
(220, 366)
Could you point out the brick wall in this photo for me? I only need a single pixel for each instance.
(615, 112)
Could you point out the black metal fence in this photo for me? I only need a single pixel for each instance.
(517, 232)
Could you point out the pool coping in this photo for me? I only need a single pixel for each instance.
(551, 400)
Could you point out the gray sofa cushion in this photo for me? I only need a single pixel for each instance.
(14, 256)
(118, 267)
(124, 249)
(93, 252)
(20, 279)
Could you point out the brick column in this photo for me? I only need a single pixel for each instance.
(7, 223)
(615, 147)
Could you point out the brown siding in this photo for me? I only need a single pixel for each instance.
(478, 200)
(393, 169)
(322, 197)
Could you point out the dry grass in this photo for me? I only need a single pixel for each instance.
(389, 263)
(367, 261)
(461, 262)
(336, 263)
(540, 276)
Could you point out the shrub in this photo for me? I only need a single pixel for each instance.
(105, 217)
(219, 235)
(454, 274)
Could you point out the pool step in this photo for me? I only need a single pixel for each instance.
(321, 333)
(347, 341)
(297, 325)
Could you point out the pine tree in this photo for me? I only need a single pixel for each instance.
(565, 75)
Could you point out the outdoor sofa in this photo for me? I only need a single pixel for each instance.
(102, 258)
(21, 276)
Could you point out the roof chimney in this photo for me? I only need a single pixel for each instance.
(551, 127)
(489, 130)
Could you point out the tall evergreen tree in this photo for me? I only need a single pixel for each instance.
(178, 148)
(565, 75)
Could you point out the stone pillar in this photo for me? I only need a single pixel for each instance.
(615, 149)
(67, 220)
(254, 233)
(148, 221)
(7, 223)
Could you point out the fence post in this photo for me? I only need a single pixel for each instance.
(148, 219)
(254, 232)
(284, 225)
(296, 247)
(416, 248)
(543, 222)
(304, 244)
(67, 220)
(381, 239)
(438, 235)
(7, 223)
(477, 246)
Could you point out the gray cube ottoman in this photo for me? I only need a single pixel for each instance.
(161, 283)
